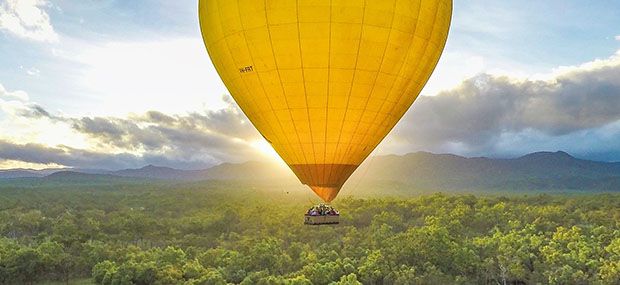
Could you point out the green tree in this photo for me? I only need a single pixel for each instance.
(101, 269)
(350, 279)
(374, 268)
(26, 266)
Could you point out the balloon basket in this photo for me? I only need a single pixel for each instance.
(322, 215)
(321, 220)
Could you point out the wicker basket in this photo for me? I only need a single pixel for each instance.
(321, 220)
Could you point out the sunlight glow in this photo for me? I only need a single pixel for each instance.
(265, 148)
(13, 164)
(171, 76)
(452, 69)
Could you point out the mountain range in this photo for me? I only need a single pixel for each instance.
(421, 170)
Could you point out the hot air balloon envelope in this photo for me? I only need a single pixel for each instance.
(324, 81)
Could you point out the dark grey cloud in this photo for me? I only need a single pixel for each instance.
(486, 113)
(195, 140)
(34, 111)
(79, 158)
(37, 153)
(221, 134)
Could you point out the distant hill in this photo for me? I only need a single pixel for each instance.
(422, 170)
(256, 171)
(18, 173)
(155, 172)
(84, 178)
(227, 171)
(541, 170)
(26, 173)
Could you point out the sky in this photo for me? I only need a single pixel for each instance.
(121, 84)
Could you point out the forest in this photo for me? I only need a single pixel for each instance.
(234, 233)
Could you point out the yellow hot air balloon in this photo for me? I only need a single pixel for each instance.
(324, 81)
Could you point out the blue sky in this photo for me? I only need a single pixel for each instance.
(96, 67)
(537, 34)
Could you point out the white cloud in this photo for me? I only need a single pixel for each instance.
(611, 62)
(27, 19)
(13, 95)
(617, 38)
(22, 120)
(33, 71)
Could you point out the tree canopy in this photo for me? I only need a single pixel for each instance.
(192, 234)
